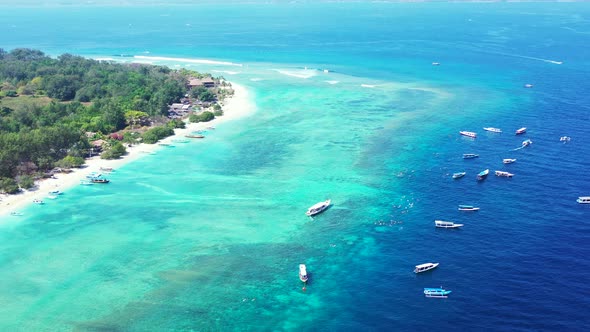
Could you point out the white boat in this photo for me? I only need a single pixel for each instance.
(493, 130)
(38, 201)
(318, 208)
(508, 161)
(470, 155)
(446, 224)
(436, 63)
(504, 174)
(521, 131)
(302, 273)
(583, 200)
(526, 143)
(528, 85)
(468, 134)
(468, 208)
(565, 139)
(425, 267)
(459, 175)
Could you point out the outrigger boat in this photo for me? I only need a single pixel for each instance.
(504, 174)
(583, 200)
(493, 130)
(302, 273)
(527, 143)
(459, 175)
(195, 136)
(318, 208)
(468, 134)
(508, 161)
(446, 224)
(521, 131)
(425, 267)
(468, 208)
(470, 155)
(436, 292)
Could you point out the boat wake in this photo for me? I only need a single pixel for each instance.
(199, 61)
(370, 86)
(303, 73)
(533, 58)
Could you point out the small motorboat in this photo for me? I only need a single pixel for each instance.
(583, 200)
(55, 192)
(318, 208)
(195, 136)
(436, 63)
(302, 273)
(527, 143)
(521, 131)
(508, 161)
(528, 85)
(100, 180)
(446, 224)
(38, 201)
(504, 174)
(459, 175)
(492, 129)
(470, 155)
(436, 292)
(468, 134)
(565, 139)
(468, 208)
(425, 267)
(483, 174)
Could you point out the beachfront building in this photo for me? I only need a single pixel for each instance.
(206, 82)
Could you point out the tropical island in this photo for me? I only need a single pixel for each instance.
(56, 112)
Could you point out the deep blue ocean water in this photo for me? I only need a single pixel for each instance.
(208, 236)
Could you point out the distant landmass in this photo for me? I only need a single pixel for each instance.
(192, 2)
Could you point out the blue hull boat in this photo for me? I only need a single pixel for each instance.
(436, 292)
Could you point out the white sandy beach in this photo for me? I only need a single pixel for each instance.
(238, 106)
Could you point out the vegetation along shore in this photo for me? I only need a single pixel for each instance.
(58, 114)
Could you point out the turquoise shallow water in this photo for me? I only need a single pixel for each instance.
(208, 235)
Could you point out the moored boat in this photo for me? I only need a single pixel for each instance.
(318, 208)
(436, 292)
(493, 130)
(16, 214)
(38, 201)
(446, 224)
(99, 180)
(526, 143)
(195, 136)
(583, 200)
(483, 174)
(468, 134)
(521, 131)
(55, 192)
(106, 169)
(468, 208)
(470, 155)
(425, 267)
(508, 161)
(302, 273)
(504, 174)
(459, 175)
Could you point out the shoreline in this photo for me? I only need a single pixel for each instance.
(240, 105)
